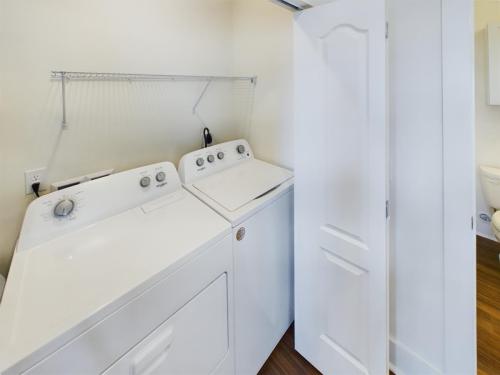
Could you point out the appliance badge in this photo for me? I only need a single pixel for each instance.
(240, 234)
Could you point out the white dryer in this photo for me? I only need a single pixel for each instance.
(257, 199)
(129, 274)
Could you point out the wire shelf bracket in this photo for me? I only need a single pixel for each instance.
(66, 76)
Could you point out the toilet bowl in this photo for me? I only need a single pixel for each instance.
(490, 178)
(495, 225)
(2, 285)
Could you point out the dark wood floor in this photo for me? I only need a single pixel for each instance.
(286, 361)
(488, 307)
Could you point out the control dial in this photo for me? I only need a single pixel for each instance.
(161, 176)
(64, 207)
(200, 162)
(241, 149)
(210, 158)
(220, 155)
(145, 181)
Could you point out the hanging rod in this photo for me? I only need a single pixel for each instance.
(65, 76)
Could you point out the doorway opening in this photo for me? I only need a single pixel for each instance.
(487, 127)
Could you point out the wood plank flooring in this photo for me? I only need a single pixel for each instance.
(286, 361)
(488, 307)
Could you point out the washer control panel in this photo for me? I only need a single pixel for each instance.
(62, 211)
(210, 160)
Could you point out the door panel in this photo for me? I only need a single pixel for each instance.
(347, 313)
(346, 162)
(341, 179)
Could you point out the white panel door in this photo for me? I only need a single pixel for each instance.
(341, 182)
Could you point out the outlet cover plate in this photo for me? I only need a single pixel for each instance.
(32, 176)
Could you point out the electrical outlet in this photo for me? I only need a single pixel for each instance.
(31, 177)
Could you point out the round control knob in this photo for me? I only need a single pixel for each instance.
(161, 176)
(145, 181)
(220, 155)
(210, 158)
(240, 149)
(64, 207)
(200, 162)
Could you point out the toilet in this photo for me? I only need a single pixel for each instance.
(490, 178)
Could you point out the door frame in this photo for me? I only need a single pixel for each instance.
(459, 251)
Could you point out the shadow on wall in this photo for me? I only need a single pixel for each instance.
(134, 123)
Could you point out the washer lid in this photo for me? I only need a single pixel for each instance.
(235, 187)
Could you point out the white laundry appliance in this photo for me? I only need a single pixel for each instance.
(129, 274)
(490, 178)
(257, 199)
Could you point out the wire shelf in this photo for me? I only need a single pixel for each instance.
(94, 76)
(66, 76)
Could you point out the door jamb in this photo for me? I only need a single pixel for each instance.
(459, 253)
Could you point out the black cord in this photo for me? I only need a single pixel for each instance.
(36, 189)
(207, 137)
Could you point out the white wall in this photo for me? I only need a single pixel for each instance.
(487, 117)
(123, 125)
(416, 115)
(263, 38)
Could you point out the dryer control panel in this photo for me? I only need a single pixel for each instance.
(210, 160)
(66, 210)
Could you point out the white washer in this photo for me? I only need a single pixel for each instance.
(133, 276)
(257, 198)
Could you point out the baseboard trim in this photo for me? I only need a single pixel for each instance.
(404, 361)
(487, 236)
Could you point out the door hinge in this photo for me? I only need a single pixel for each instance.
(387, 209)
(387, 30)
(472, 222)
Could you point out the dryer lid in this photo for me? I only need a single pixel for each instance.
(235, 187)
(120, 241)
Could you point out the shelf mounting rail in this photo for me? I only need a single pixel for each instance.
(66, 76)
